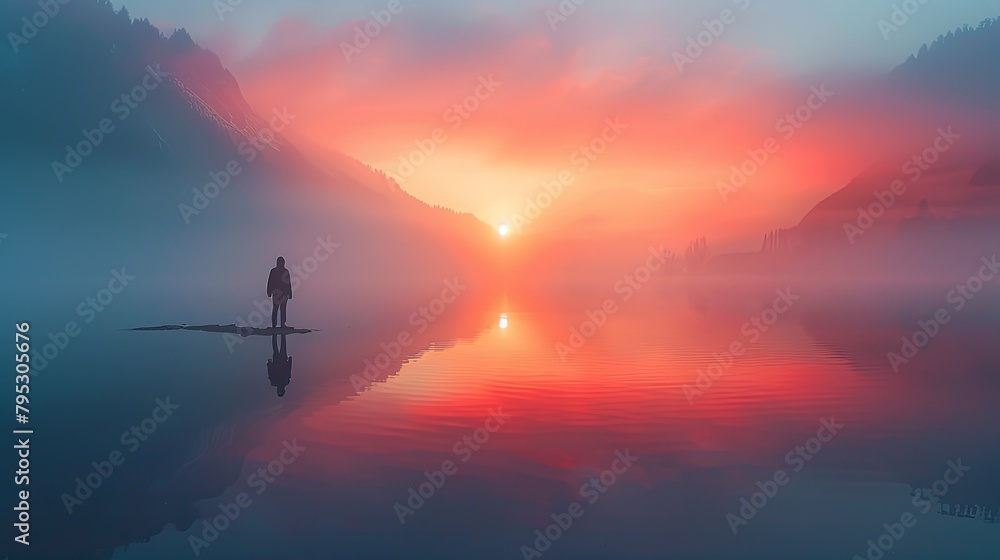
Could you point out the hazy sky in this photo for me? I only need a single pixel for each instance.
(807, 34)
(557, 86)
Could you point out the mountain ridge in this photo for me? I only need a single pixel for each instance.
(191, 138)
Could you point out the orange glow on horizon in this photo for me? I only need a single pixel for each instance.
(683, 135)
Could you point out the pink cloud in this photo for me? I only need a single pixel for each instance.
(687, 128)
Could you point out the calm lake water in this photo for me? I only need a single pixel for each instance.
(619, 440)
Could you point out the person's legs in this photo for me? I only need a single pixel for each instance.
(274, 311)
(284, 307)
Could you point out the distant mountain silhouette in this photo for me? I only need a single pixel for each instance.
(955, 80)
(70, 76)
(988, 175)
(961, 64)
(949, 212)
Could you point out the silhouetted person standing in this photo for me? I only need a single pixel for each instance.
(279, 367)
(279, 289)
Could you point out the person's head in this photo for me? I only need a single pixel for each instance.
(281, 392)
(281, 262)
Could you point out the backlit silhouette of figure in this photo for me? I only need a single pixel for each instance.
(279, 367)
(279, 289)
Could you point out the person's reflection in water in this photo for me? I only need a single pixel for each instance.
(279, 366)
